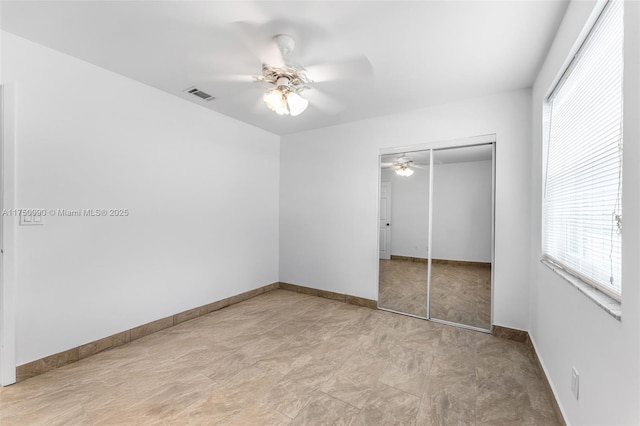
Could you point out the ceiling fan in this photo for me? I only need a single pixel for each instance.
(402, 165)
(286, 79)
(289, 81)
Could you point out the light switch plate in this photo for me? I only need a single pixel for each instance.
(29, 220)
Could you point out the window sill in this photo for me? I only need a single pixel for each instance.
(608, 304)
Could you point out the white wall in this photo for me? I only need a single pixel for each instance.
(201, 188)
(329, 222)
(567, 328)
(409, 212)
(461, 212)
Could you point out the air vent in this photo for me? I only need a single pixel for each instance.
(199, 93)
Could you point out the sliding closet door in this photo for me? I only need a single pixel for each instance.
(462, 236)
(403, 281)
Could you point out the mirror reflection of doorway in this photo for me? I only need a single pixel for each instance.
(385, 220)
(441, 249)
(403, 277)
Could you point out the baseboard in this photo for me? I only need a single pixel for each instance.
(523, 336)
(440, 261)
(409, 258)
(509, 333)
(547, 384)
(341, 297)
(459, 262)
(69, 356)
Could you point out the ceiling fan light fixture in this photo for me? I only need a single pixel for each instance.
(404, 171)
(276, 101)
(297, 104)
(284, 101)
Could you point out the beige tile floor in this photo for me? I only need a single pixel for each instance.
(285, 358)
(459, 293)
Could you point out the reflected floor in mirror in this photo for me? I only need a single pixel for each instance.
(460, 291)
(403, 286)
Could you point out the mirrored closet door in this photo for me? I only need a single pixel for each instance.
(462, 236)
(404, 233)
(436, 234)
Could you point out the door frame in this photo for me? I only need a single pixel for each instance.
(8, 225)
(490, 138)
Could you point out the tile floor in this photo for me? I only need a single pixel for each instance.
(459, 293)
(285, 358)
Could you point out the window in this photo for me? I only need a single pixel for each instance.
(582, 206)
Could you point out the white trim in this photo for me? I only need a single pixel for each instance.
(430, 231)
(452, 143)
(402, 313)
(610, 305)
(8, 224)
(582, 37)
(493, 228)
(378, 232)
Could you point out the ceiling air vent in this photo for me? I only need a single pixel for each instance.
(199, 93)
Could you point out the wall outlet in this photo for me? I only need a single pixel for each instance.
(575, 382)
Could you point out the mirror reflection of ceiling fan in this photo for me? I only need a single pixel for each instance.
(403, 165)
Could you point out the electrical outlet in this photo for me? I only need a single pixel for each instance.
(575, 382)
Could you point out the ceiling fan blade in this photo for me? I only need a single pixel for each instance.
(261, 45)
(386, 165)
(235, 78)
(322, 101)
(259, 107)
(355, 67)
(271, 55)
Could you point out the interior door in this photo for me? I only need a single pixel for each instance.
(385, 220)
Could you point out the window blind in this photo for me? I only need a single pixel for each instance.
(582, 213)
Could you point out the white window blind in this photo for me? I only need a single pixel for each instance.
(582, 218)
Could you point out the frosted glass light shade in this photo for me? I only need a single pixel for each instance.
(297, 104)
(276, 101)
(404, 171)
(285, 102)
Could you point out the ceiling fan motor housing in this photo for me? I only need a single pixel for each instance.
(283, 82)
(292, 78)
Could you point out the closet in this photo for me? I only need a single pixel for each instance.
(436, 232)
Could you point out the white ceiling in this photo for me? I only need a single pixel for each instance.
(422, 52)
